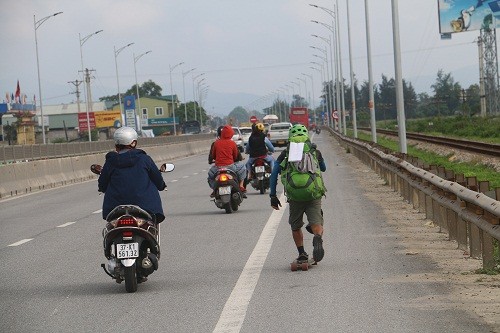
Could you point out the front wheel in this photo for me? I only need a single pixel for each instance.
(262, 187)
(130, 279)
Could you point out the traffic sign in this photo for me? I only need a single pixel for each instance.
(335, 115)
(253, 119)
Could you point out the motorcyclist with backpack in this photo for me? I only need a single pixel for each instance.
(300, 166)
(258, 146)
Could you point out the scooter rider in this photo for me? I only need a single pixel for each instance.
(258, 146)
(130, 177)
(225, 154)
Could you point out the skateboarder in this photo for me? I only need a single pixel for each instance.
(304, 189)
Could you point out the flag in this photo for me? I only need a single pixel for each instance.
(24, 99)
(7, 97)
(12, 97)
(18, 92)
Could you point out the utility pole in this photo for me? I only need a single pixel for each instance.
(482, 90)
(77, 83)
(88, 102)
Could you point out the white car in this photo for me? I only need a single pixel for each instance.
(245, 134)
(278, 133)
(238, 139)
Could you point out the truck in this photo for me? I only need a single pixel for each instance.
(299, 115)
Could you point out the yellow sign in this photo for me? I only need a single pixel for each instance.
(107, 118)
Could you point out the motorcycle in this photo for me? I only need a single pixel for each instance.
(227, 190)
(131, 242)
(261, 172)
(318, 130)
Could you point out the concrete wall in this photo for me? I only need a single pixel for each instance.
(25, 177)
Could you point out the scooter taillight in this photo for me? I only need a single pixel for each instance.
(224, 177)
(259, 163)
(128, 234)
(126, 221)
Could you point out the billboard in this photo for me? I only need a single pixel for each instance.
(99, 119)
(467, 15)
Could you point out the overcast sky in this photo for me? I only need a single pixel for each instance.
(253, 47)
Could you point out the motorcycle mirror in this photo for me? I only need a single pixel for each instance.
(167, 167)
(96, 168)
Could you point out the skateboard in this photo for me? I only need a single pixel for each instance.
(302, 265)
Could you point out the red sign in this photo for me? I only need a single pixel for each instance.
(335, 115)
(82, 121)
(253, 119)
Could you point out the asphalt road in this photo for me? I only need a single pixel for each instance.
(218, 272)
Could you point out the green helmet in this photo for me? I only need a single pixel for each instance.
(298, 133)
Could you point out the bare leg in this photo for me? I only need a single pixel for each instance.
(298, 237)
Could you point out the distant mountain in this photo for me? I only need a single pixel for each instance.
(221, 104)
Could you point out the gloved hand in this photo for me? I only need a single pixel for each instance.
(275, 202)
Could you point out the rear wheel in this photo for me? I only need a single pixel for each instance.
(228, 207)
(262, 188)
(234, 205)
(130, 279)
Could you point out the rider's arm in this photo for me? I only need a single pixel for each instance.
(321, 161)
(273, 180)
(247, 148)
(269, 145)
(155, 174)
(104, 176)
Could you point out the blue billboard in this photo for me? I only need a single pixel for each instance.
(468, 15)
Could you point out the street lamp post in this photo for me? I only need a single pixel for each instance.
(312, 88)
(37, 24)
(139, 110)
(172, 94)
(117, 52)
(194, 95)
(305, 87)
(184, 93)
(82, 41)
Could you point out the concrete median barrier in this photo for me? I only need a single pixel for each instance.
(25, 177)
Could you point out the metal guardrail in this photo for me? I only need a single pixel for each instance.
(23, 153)
(469, 217)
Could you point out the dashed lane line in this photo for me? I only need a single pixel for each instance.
(21, 242)
(65, 224)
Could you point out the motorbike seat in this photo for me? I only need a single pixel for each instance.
(128, 210)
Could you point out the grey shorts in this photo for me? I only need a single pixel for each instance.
(312, 209)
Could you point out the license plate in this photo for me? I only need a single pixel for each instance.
(259, 169)
(224, 190)
(127, 250)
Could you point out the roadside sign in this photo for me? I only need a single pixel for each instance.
(335, 115)
(253, 119)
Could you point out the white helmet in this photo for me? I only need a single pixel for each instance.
(125, 136)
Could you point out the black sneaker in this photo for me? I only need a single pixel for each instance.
(302, 257)
(318, 252)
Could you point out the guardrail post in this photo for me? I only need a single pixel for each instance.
(451, 218)
(462, 233)
(475, 241)
(488, 250)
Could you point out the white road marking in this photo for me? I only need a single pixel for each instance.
(195, 173)
(65, 224)
(234, 312)
(97, 211)
(21, 242)
(185, 176)
(173, 180)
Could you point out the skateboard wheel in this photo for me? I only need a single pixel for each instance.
(304, 266)
(293, 267)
